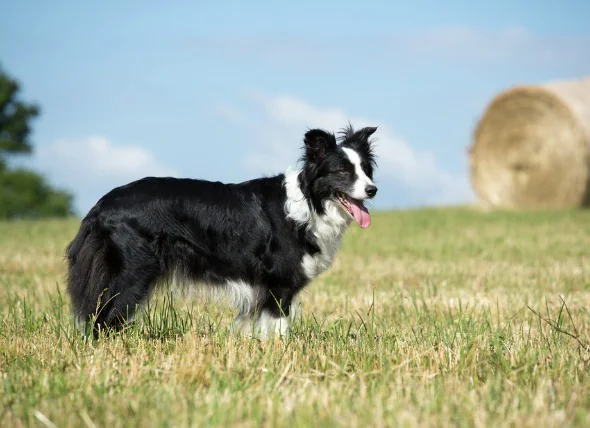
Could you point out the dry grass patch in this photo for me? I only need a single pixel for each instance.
(424, 320)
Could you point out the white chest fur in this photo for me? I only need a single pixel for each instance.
(327, 229)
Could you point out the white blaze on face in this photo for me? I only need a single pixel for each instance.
(362, 181)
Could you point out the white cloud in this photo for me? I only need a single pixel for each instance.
(511, 46)
(92, 166)
(279, 141)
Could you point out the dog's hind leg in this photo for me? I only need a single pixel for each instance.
(130, 289)
(132, 285)
(111, 273)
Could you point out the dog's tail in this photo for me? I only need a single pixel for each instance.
(89, 272)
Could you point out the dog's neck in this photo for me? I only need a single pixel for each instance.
(327, 228)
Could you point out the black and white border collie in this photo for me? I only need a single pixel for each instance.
(258, 242)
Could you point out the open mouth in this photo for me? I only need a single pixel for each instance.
(356, 209)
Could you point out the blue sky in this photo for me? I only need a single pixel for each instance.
(224, 90)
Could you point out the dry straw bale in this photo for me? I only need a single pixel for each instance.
(531, 148)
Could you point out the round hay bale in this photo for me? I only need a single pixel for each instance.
(531, 148)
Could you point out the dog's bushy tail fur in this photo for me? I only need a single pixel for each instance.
(102, 289)
(88, 273)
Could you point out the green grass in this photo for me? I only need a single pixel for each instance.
(445, 317)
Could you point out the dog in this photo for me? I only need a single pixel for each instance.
(259, 242)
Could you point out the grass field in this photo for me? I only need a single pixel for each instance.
(446, 317)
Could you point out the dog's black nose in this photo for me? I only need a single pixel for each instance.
(371, 191)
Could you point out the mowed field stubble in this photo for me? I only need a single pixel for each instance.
(446, 317)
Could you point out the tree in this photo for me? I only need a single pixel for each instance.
(23, 193)
(15, 117)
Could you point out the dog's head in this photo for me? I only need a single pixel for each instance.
(339, 170)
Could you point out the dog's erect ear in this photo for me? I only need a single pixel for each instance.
(364, 133)
(361, 141)
(317, 143)
(359, 137)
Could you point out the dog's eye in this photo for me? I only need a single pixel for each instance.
(343, 171)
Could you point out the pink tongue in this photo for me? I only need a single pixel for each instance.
(360, 213)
